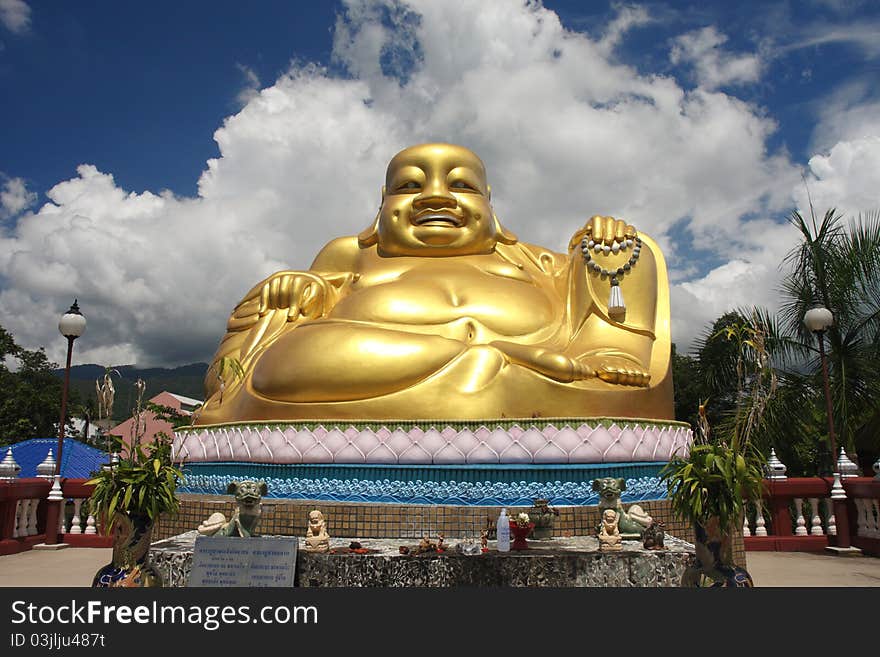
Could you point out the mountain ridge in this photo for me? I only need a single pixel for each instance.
(186, 380)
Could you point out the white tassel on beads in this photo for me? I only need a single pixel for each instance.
(616, 306)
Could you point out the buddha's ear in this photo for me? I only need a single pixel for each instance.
(370, 236)
(489, 192)
(502, 234)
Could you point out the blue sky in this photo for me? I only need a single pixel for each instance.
(696, 121)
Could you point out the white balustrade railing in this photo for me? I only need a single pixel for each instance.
(816, 525)
(16, 533)
(799, 521)
(32, 518)
(75, 521)
(75, 525)
(815, 521)
(867, 518)
(760, 523)
(829, 513)
(25, 518)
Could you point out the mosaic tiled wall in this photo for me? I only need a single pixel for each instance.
(359, 520)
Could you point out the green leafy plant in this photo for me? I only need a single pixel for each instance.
(714, 481)
(721, 474)
(143, 482)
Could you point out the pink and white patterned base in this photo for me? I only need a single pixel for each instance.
(570, 443)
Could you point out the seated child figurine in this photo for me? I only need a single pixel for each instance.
(317, 538)
(609, 534)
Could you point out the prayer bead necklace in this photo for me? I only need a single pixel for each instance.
(616, 306)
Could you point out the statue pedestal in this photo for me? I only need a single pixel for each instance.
(493, 462)
(559, 562)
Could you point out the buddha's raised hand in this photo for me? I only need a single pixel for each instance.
(603, 230)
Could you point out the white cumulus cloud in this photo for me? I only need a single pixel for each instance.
(565, 129)
(15, 15)
(846, 178)
(714, 67)
(15, 197)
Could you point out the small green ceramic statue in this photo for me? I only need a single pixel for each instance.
(248, 497)
(632, 522)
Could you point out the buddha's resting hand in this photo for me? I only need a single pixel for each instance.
(269, 307)
(619, 370)
(545, 361)
(300, 293)
(603, 230)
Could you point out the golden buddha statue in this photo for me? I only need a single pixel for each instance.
(436, 311)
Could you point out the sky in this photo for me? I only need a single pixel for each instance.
(159, 159)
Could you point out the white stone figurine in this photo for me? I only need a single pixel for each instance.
(317, 538)
(609, 534)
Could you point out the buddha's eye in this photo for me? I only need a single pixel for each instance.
(460, 184)
(409, 185)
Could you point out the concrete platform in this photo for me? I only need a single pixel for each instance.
(76, 567)
(554, 562)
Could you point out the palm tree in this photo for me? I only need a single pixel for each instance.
(838, 266)
(87, 411)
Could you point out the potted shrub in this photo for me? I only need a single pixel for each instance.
(711, 487)
(130, 495)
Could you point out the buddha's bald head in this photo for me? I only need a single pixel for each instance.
(435, 202)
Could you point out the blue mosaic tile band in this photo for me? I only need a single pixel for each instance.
(511, 485)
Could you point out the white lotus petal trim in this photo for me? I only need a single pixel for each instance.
(344, 443)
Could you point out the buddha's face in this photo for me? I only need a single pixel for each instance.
(436, 203)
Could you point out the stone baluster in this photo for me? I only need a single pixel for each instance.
(32, 518)
(874, 531)
(873, 517)
(62, 518)
(15, 533)
(867, 511)
(24, 514)
(760, 523)
(90, 525)
(76, 523)
(815, 520)
(831, 528)
(862, 510)
(746, 530)
(801, 528)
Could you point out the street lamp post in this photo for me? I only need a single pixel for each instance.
(818, 320)
(71, 326)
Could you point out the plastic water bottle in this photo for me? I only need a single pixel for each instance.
(503, 531)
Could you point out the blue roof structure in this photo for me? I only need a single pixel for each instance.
(78, 460)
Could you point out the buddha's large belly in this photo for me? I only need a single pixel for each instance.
(340, 361)
(384, 337)
(497, 306)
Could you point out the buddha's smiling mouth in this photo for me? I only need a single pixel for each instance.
(442, 219)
